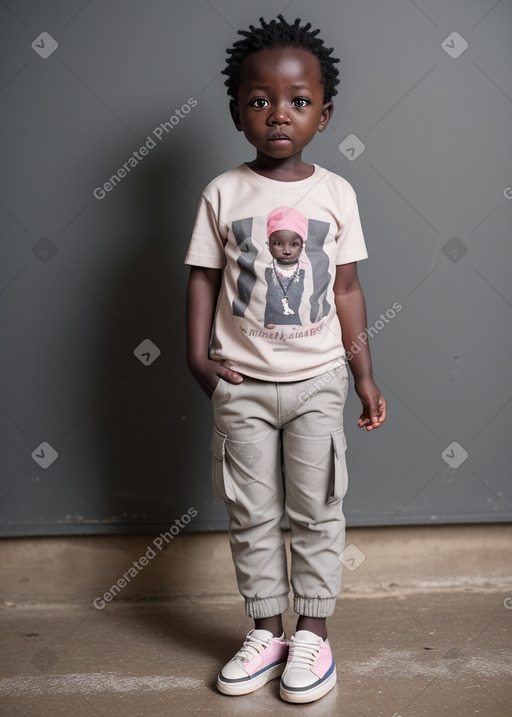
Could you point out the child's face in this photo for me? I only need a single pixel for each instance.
(280, 104)
(285, 246)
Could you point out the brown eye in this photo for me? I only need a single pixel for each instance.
(259, 102)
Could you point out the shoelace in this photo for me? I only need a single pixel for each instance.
(251, 648)
(303, 653)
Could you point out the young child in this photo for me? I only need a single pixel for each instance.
(278, 392)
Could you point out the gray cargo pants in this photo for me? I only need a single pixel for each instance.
(276, 447)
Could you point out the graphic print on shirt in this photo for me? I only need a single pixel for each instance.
(293, 252)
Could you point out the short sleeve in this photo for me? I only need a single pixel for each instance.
(350, 239)
(206, 246)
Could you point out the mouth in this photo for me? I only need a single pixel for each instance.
(279, 138)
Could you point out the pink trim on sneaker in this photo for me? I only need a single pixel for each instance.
(324, 659)
(261, 658)
(273, 653)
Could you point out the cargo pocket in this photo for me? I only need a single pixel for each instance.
(221, 479)
(338, 481)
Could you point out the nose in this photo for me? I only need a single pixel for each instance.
(279, 115)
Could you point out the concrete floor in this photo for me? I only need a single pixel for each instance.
(422, 628)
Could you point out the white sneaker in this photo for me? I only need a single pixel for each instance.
(261, 658)
(310, 671)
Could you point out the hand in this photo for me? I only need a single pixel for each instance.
(207, 373)
(374, 404)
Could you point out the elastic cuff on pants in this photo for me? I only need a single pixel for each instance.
(266, 607)
(313, 607)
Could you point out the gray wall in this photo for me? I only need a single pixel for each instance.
(84, 281)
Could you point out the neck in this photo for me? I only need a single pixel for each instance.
(290, 169)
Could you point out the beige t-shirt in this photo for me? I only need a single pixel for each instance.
(276, 322)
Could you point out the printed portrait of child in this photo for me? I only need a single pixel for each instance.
(287, 231)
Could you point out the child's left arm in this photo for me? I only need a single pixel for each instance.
(351, 310)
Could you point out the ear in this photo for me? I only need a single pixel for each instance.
(327, 110)
(235, 114)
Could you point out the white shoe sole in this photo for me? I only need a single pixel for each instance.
(244, 688)
(308, 695)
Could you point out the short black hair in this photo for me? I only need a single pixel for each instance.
(281, 34)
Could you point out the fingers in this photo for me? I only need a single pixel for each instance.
(373, 417)
(383, 409)
(231, 376)
(224, 373)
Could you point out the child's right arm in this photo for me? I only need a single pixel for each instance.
(202, 293)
